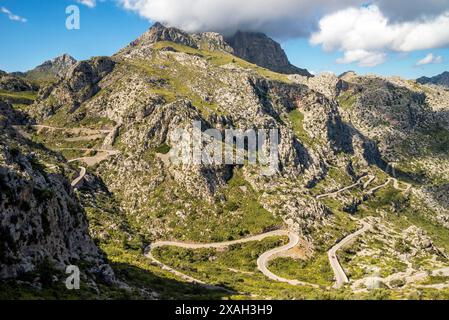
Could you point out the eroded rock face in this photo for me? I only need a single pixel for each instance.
(263, 51)
(41, 220)
(79, 85)
(52, 69)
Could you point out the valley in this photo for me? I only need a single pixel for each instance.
(358, 209)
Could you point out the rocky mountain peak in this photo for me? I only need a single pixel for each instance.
(58, 64)
(158, 32)
(260, 49)
(253, 47)
(52, 69)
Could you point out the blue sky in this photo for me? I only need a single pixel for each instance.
(108, 27)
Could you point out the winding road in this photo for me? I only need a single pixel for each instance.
(340, 276)
(262, 261)
(335, 193)
(102, 154)
(77, 181)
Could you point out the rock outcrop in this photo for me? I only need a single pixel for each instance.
(51, 70)
(263, 51)
(79, 84)
(41, 220)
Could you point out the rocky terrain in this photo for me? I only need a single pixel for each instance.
(43, 226)
(50, 70)
(351, 147)
(263, 51)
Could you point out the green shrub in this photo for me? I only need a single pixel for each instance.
(163, 149)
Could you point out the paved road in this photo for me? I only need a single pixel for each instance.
(340, 276)
(331, 194)
(373, 190)
(102, 154)
(77, 181)
(262, 261)
(74, 130)
(395, 185)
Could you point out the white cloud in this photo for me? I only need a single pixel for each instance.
(430, 59)
(363, 58)
(282, 18)
(365, 34)
(89, 3)
(12, 16)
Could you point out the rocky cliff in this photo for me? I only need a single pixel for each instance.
(263, 51)
(41, 220)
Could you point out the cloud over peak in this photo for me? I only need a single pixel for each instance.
(364, 33)
(281, 18)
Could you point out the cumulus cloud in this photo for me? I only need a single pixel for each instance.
(12, 16)
(399, 10)
(89, 3)
(363, 58)
(430, 59)
(280, 18)
(365, 34)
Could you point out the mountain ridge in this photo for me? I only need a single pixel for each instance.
(253, 47)
(441, 79)
(350, 147)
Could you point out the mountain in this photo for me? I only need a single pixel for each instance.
(52, 69)
(256, 48)
(356, 153)
(263, 51)
(442, 80)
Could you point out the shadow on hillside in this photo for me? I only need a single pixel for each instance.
(410, 115)
(166, 289)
